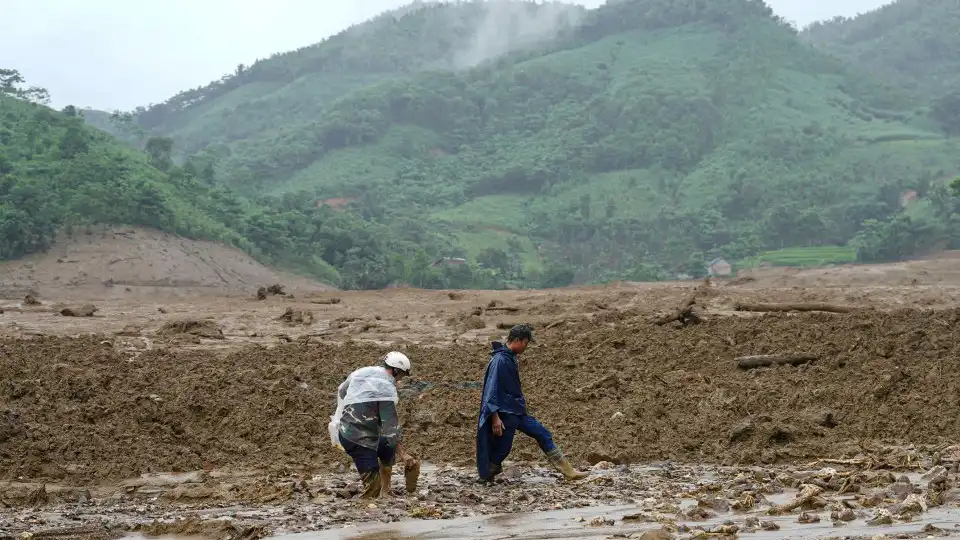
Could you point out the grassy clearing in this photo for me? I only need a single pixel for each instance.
(803, 257)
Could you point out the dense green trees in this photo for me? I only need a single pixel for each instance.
(56, 173)
(638, 140)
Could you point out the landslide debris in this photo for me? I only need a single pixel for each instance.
(200, 328)
(73, 409)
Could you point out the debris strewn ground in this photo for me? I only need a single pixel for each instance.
(817, 407)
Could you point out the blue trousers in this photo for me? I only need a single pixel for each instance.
(498, 448)
(368, 460)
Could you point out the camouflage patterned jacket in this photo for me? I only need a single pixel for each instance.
(364, 423)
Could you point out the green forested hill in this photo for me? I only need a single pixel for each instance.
(645, 138)
(56, 173)
(637, 140)
(912, 43)
(292, 91)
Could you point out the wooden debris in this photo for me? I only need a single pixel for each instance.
(608, 380)
(200, 328)
(809, 496)
(684, 313)
(766, 360)
(554, 324)
(768, 308)
(295, 317)
(601, 344)
(327, 301)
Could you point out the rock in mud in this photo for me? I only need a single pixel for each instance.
(658, 534)
(714, 503)
(936, 475)
(598, 453)
(882, 517)
(86, 310)
(30, 300)
(806, 517)
(296, 317)
(914, 504)
(474, 322)
(698, 513)
(130, 330)
(845, 514)
(742, 431)
(200, 328)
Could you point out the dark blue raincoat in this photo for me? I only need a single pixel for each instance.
(501, 394)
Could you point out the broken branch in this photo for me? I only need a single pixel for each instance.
(765, 360)
(684, 313)
(607, 380)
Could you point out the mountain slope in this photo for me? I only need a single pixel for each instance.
(294, 89)
(641, 142)
(56, 174)
(913, 43)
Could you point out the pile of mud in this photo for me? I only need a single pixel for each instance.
(113, 259)
(79, 410)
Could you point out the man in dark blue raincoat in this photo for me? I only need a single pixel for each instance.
(503, 412)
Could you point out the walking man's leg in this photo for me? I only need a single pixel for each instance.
(501, 446)
(531, 427)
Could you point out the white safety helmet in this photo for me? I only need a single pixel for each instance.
(397, 360)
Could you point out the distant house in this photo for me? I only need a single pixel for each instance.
(338, 203)
(719, 267)
(908, 197)
(448, 261)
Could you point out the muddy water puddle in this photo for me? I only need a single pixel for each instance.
(530, 502)
(580, 523)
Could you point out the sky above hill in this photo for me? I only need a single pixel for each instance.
(117, 54)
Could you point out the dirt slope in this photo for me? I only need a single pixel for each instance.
(78, 409)
(109, 261)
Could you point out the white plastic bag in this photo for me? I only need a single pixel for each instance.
(366, 384)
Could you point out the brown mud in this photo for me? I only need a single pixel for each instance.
(79, 409)
(222, 402)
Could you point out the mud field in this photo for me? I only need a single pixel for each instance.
(203, 413)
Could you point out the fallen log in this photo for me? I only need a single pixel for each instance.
(684, 312)
(554, 324)
(809, 496)
(766, 360)
(815, 306)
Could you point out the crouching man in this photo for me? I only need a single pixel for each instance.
(366, 425)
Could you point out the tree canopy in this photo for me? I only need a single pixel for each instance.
(638, 140)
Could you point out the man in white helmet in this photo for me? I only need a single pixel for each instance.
(366, 425)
